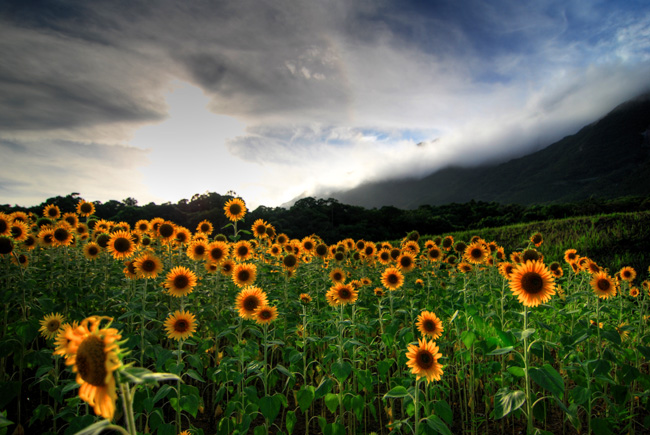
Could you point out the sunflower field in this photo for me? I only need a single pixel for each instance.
(154, 328)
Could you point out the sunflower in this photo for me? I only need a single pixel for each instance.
(18, 231)
(62, 236)
(30, 242)
(183, 235)
(571, 256)
(627, 273)
(242, 251)
(5, 225)
(464, 267)
(379, 292)
(197, 250)
(227, 267)
(142, 226)
(205, 227)
(85, 208)
(406, 261)
(217, 251)
(603, 285)
(148, 266)
(259, 228)
(244, 274)
(392, 278)
(634, 292)
(120, 245)
(434, 254)
(341, 294)
(92, 250)
(51, 324)
(129, 269)
(429, 324)
(248, 300)
(235, 209)
(476, 253)
(337, 275)
(290, 262)
(93, 354)
(321, 250)
(447, 243)
(423, 360)
(532, 283)
(265, 314)
(383, 255)
(180, 281)
(305, 298)
(166, 231)
(71, 219)
(46, 236)
(52, 211)
(180, 325)
(537, 239)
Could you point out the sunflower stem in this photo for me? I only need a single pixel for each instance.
(529, 405)
(127, 404)
(179, 359)
(417, 406)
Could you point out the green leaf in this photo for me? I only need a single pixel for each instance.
(270, 407)
(324, 388)
(357, 406)
(435, 423)
(341, 370)
(332, 402)
(516, 371)
(580, 395)
(384, 366)
(282, 369)
(611, 335)
(506, 401)
(442, 408)
(195, 375)
(305, 397)
(548, 378)
(526, 333)
(291, 421)
(501, 351)
(95, 428)
(468, 338)
(396, 393)
(162, 392)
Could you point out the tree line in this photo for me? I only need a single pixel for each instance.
(334, 221)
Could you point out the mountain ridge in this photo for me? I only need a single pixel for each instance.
(607, 158)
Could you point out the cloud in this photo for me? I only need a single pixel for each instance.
(34, 171)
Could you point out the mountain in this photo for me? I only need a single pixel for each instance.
(608, 158)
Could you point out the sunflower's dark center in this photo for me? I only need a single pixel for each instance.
(61, 234)
(308, 246)
(369, 250)
(571, 256)
(199, 249)
(4, 225)
(122, 244)
(425, 359)
(429, 325)
(131, 267)
(476, 253)
(392, 279)
(266, 314)
(216, 253)
(227, 267)
(530, 254)
(260, 229)
(394, 253)
(22, 259)
(603, 284)
(181, 326)
(71, 220)
(321, 250)
(626, 274)
(338, 256)
(86, 208)
(244, 275)
(16, 231)
(235, 209)
(148, 265)
(446, 243)
(47, 239)
(181, 237)
(205, 228)
(93, 250)
(181, 281)
(532, 282)
(250, 303)
(166, 230)
(242, 251)
(290, 261)
(53, 325)
(30, 241)
(91, 361)
(405, 262)
(537, 239)
(434, 253)
(52, 212)
(345, 294)
(385, 256)
(143, 227)
(337, 277)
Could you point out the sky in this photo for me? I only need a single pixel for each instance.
(276, 99)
